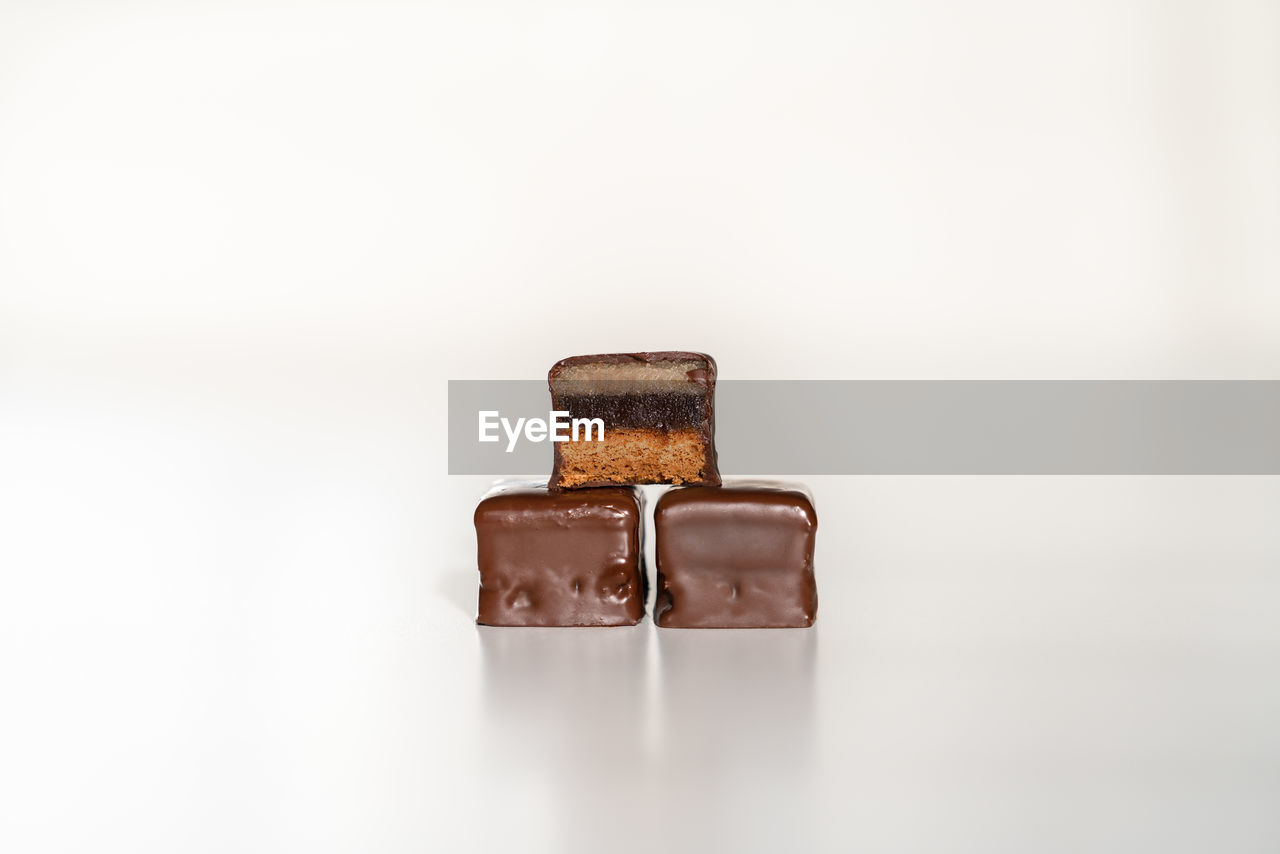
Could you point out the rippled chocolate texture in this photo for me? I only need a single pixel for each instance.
(736, 556)
(658, 416)
(571, 558)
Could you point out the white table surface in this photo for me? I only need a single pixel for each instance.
(234, 628)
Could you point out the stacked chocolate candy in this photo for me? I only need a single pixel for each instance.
(571, 552)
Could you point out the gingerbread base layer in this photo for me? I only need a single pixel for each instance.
(634, 455)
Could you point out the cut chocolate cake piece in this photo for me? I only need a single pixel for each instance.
(656, 410)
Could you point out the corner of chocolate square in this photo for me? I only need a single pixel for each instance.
(560, 558)
(636, 418)
(737, 556)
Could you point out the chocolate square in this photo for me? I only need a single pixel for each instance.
(657, 414)
(736, 556)
(572, 558)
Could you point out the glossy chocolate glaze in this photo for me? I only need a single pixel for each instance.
(737, 556)
(571, 558)
(630, 415)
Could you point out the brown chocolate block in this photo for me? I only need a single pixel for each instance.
(657, 413)
(572, 558)
(736, 556)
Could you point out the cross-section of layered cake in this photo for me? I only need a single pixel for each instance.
(656, 415)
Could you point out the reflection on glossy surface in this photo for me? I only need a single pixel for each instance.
(565, 713)
(736, 712)
(702, 727)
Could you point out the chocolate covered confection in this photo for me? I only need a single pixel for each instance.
(572, 558)
(657, 414)
(737, 556)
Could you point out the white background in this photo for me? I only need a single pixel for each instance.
(244, 245)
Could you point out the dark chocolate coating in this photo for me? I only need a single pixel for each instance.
(737, 556)
(572, 558)
(703, 419)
